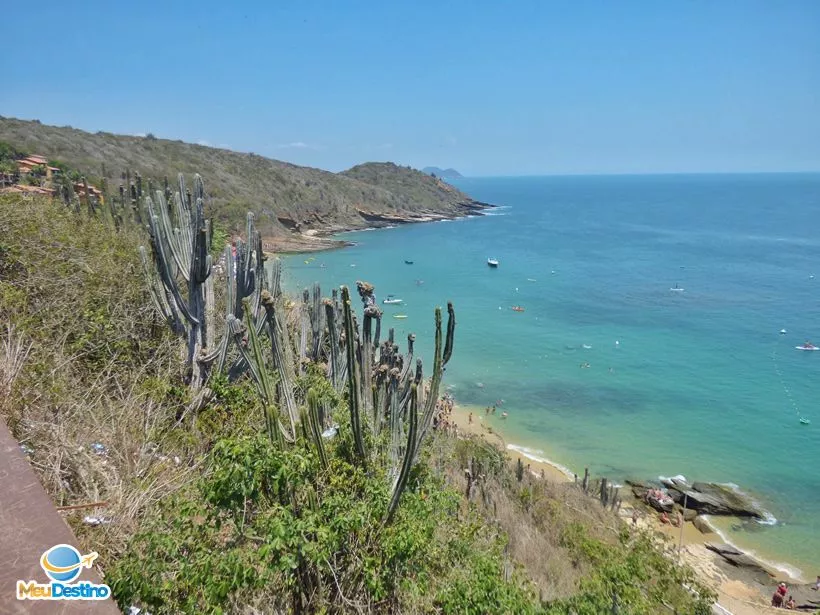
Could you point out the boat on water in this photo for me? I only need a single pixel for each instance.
(807, 346)
(517, 308)
(677, 289)
(804, 421)
(399, 315)
(391, 300)
(783, 332)
(492, 262)
(408, 262)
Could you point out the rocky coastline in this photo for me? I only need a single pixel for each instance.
(743, 583)
(317, 235)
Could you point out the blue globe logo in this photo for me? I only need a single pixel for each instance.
(62, 563)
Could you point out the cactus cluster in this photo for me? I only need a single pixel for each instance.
(385, 390)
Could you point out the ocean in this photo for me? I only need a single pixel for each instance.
(609, 368)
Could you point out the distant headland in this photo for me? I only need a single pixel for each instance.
(442, 173)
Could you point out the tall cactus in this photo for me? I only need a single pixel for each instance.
(314, 426)
(184, 251)
(353, 379)
(265, 383)
(390, 386)
(276, 332)
(407, 462)
(183, 289)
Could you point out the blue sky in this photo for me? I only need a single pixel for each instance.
(490, 88)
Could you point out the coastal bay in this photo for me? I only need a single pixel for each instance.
(699, 382)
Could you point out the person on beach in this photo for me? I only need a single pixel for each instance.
(817, 584)
(470, 418)
(634, 516)
(782, 590)
(777, 600)
(664, 517)
(791, 604)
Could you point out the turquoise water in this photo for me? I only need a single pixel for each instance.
(700, 382)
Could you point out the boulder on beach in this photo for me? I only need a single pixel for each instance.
(739, 559)
(702, 524)
(712, 499)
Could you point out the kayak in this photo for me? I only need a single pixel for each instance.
(807, 348)
(399, 315)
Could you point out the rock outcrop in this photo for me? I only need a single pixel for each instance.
(739, 559)
(712, 499)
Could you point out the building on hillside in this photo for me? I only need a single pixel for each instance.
(79, 190)
(25, 165)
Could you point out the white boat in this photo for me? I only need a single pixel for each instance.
(492, 262)
(783, 332)
(677, 289)
(807, 346)
(391, 300)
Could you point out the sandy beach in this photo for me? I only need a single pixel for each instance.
(738, 593)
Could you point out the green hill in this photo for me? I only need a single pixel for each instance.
(285, 197)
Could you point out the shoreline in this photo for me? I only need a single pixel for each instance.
(737, 589)
(322, 239)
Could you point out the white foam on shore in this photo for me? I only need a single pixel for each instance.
(768, 518)
(535, 455)
(793, 572)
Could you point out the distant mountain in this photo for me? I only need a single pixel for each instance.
(442, 173)
(292, 203)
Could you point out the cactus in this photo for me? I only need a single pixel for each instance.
(317, 323)
(265, 383)
(352, 377)
(335, 360)
(276, 332)
(314, 426)
(184, 251)
(407, 463)
(304, 319)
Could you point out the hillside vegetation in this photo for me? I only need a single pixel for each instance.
(285, 197)
(208, 515)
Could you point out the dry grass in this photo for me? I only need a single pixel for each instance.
(84, 362)
(534, 514)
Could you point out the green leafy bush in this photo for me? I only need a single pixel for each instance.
(265, 525)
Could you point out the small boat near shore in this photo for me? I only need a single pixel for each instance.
(517, 308)
(677, 289)
(400, 316)
(807, 346)
(804, 421)
(391, 300)
(408, 262)
(492, 262)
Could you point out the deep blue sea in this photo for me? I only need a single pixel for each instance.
(696, 382)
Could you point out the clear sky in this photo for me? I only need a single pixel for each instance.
(487, 87)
